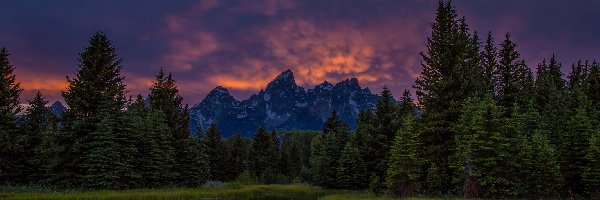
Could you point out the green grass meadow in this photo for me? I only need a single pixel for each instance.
(234, 192)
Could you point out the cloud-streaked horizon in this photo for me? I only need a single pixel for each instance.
(242, 45)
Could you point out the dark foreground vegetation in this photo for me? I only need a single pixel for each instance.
(232, 191)
(484, 127)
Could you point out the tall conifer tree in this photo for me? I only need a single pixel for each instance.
(451, 73)
(513, 78)
(404, 169)
(98, 86)
(215, 150)
(36, 122)
(11, 147)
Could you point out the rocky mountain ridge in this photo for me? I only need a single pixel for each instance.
(282, 105)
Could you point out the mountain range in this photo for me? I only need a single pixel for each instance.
(282, 105)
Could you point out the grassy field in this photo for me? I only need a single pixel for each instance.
(257, 192)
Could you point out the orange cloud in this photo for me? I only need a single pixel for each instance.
(334, 51)
(53, 84)
(240, 84)
(382, 52)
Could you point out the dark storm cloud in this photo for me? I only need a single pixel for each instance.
(242, 45)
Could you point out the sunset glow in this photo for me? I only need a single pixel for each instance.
(243, 46)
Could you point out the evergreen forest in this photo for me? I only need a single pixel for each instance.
(483, 124)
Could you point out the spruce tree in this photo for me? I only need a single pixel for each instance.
(513, 78)
(195, 168)
(326, 152)
(160, 155)
(98, 85)
(215, 150)
(591, 174)
(490, 150)
(550, 98)
(578, 75)
(593, 85)
(317, 160)
(545, 173)
(155, 156)
(291, 158)
(11, 141)
(490, 63)
(164, 96)
(36, 121)
(451, 73)
(404, 169)
(573, 143)
(103, 165)
(366, 141)
(48, 156)
(386, 123)
(331, 123)
(350, 169)
(263, 153)
(407, 105)
(238, 154)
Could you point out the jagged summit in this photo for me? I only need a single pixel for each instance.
(324, 86)
(283, 105)
(285, 79)
(351, 82)
(219, 90)
(57, 108)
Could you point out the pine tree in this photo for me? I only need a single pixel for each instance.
(164, 96)
(155, 158)
(36, 121)
(276, 157)
(550, 98)
(215, 150)
(326, 152)
(239, 154)
(578, 75)
(98, 85)
(11, 141)
(367, 142)
(291, 158)
(490, 63)
(573, 143)
(404, 169)
(350, 169)
(545, 173)
(195, 168)
(386, 123)
(591, 174)
(263, 153)
(593, 85)
(407, 105)
(48, 156)
(512, 76)
(451, 74)
(386, 117)
(161, 155)
(317, 160)
(101, 164)
(331, 123)
(490, 150)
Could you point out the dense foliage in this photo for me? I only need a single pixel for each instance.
(484, 127)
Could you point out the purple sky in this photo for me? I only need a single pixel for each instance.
(244, 44)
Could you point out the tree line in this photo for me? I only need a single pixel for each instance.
(107, 141)
(484, 127)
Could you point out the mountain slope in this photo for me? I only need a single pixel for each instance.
(282, 105)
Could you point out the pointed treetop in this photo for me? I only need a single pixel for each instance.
(332, 124)
(9, 88)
